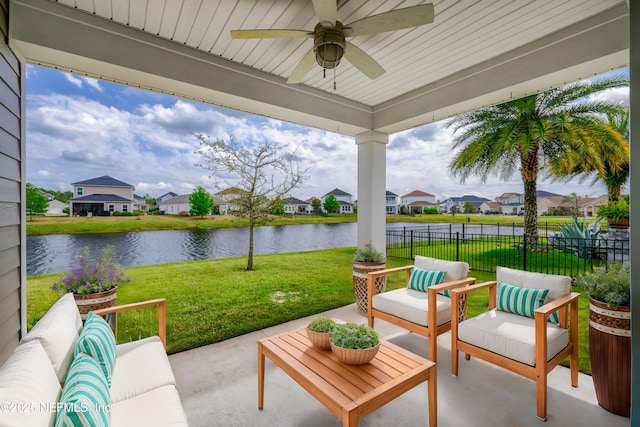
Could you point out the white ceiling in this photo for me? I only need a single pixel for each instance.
(476, 52)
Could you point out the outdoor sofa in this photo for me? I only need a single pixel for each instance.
(47, 374)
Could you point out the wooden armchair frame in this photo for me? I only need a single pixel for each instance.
(432, 330)
(161, 303)
(537, 373)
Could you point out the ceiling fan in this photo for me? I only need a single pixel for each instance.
(329, 44)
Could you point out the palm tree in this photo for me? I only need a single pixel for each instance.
(613, 156)
(529, 132)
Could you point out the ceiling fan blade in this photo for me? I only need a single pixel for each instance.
(363, 62)
(327, 10)
(391, 21)
(303, 67)
(269, 34)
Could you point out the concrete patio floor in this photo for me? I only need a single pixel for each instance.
(218, 387)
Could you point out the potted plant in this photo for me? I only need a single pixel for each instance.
(319, 332)
(354, 344)
(93, 283)
(609, 291)
(367, 259)
(616, 212)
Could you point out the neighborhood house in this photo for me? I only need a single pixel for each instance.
(101, 196)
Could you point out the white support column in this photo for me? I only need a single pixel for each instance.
(372, 171)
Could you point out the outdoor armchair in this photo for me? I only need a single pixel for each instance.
(426, 311)
(525, 329)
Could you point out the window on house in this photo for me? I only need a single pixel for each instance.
(79, 191)
(112, 208)
(125, 208)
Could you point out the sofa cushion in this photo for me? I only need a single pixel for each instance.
(517, 300)
(141, 366)
(421, 279)
(411, 305)
(158, 407)
(85, 397)
(456, 270)
(510, 335)
(58, 332)
(97, 340)
(27, 379)
(558, 286)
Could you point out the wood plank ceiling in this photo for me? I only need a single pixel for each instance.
(464, 33)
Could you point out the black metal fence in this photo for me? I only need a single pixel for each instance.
(507, 247)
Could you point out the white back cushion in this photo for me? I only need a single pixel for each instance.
(28, 384)
(58, 332)
(456, 270)
(558, 285)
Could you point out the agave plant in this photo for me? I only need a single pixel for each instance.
(583, 240)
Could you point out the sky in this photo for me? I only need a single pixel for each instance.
(78, 128)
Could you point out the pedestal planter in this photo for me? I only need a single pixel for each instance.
(360, 272)
(90, 302)
(619, 223)
(610, 352)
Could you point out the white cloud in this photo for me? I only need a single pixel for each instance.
(93, 83)
(73, 80)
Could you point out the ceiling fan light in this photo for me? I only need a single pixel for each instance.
(328, 55)
(329, 45)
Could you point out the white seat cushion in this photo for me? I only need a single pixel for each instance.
(510, 335)
(28, 380)
(159, 407)
(58, 332)
(456, 270)
(411, 305)
(141, 366)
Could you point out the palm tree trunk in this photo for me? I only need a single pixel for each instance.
(614, 192)
(531, 211)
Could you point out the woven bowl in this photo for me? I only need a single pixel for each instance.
(319, 339)
(355, 356)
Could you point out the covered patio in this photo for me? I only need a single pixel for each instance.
(474, 54)
(218, 386)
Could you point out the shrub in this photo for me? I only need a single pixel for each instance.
(351, 335)
(368, 254)
(610, 284)
(90, 277)
(431, 211)
(615, 211)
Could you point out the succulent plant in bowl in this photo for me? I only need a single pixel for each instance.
(355, 344)
(319, 332)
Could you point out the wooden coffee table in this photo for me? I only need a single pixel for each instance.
(349, 392)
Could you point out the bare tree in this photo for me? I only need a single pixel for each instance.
(262, 174)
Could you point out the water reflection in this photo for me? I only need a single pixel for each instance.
(56, 253)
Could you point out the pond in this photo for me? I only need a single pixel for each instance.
(58, 253)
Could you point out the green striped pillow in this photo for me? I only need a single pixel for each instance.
(421, 279)
(97, 341)
(85, 397)
(517, 300)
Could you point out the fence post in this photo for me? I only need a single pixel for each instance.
(457, 246)
(450, 233)
(404, 237)
(524, 252)
(411, 251)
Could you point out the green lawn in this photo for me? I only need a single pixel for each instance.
(41, 225)
(213, 300)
